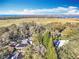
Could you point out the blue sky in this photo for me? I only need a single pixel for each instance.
(39, 6)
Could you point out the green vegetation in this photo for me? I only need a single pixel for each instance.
(46, 39)
(48, 42)
(51, 54)
(42, 36)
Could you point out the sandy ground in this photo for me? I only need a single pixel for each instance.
(37, 20)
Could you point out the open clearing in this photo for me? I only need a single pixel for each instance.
(8, 22)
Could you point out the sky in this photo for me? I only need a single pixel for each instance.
(34, 7)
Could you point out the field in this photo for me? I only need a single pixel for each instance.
(37, 20)
(39, 34)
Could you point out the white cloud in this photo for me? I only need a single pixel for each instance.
(58, 10)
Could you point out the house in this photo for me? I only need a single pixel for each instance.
(60, 43)
(24, 43)
(20, 46)
(27, 41)
(56, 33)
